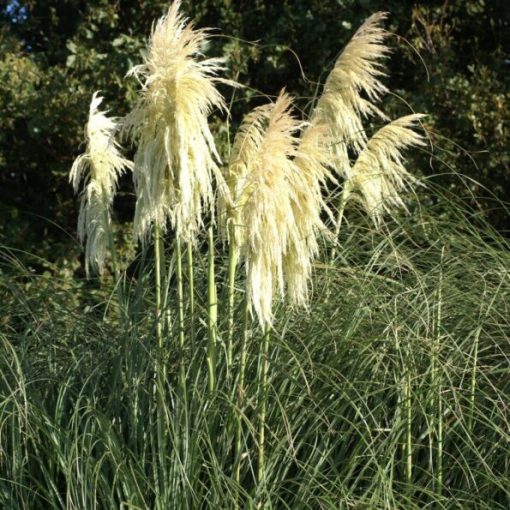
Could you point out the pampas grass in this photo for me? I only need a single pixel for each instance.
(379, 175)
(352, 90)
(389, 393)
(176, 157)
(312, 161)
(99, 167)
(276, 204)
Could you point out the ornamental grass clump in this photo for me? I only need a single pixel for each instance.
(99, 167)
(176, 156)
(379, 399)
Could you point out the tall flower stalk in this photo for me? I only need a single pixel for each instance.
(175, 161)
(272, 217)
(176, 158)
(99, 167)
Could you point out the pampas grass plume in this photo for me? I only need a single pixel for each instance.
(105, 164)
(176, 156)
(276, 201)
(351, 89)
(379, 175)
(311, 160)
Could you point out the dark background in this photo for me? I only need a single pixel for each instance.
(451, 60)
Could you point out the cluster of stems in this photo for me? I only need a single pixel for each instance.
(281, 202)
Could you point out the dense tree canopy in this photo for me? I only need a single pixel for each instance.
(451, 60)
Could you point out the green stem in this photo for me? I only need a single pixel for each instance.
(436, 377)
(473, 379)
(240, 390)
(160, 368)
(180, 299)
(341, 208)
(404, 400)
(408, 408)
(181, 416)
(262, 409)
(113, 254)
(191, 289)
(213, 313)
(157, 255)
(232, 265)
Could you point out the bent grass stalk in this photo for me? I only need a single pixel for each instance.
(474, 369)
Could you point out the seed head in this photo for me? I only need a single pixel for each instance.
(243, 160)
(105, 164)
(379, 175)
(275, 203)
(311, 161)
(351, 89)
(176, 156)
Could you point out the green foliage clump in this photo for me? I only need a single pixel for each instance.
(391, 393)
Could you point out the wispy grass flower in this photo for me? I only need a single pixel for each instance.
(276, 201)
(378, 175)
(99, 167)
(267, 208)
(351, 91)
(176, 156)
(311, 160)
(243, 159)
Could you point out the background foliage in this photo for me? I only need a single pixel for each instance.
(451, 60)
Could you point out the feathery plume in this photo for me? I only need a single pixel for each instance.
(311, 161)
(379, 175)
(275, 203)
(105, 164)
(357, 72)
(267, 209)
(176, 157)
(243, 159)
